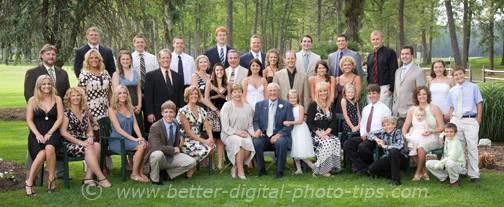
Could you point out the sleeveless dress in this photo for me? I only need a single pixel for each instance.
(416, 136)
(431, 143)
(43, 125)
(132, 88)
(440, 96)
(302, 146)
(254, 95)
(76, 128)
(218, 99)
(97, 89)
(191, 147)
(126, 124)
(340, 95)
(352, 115)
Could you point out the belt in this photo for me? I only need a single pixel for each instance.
(469, 116)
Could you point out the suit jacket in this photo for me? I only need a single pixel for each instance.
(313, 59)
(404, 89)
(62, 84)
(333, 57)
(213, 56)
(156, 92)
(240, 74)
(158, 141)
(108, 59)
(247, 57)
(300, 84)
(282, 114)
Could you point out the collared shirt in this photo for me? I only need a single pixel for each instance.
(291, 77)
(257, 55)
(404, 69)
(452, 150)
(151, 62)
(387, 65)
(93, 47)
(174, 127)
(275, 103)
(380, 110)
(305, 53)
(394, 140)
(54, 70)
(471, 96)
(187, 64)
(235, 71)
(225, 51)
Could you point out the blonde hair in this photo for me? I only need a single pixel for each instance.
(388, 119)
(38, 95)
(236, 87)
(375, 32)
(85, 65)
(197, 61)
(347, 59)
(188, 92)
(93, 29)
(322, 86)
(421, 110)
(279, 61)
(66, 100)
(349, 87)
(295, 93)
(115, 98)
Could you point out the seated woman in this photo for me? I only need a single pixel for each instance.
(192, 117)
(434, 119)
(75, 123)
(44, 115)
(123, 121)
(237, 131)
(321, 123)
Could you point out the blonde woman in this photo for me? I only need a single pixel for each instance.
(44, 115)
(347, 64)
(200, 79)
(75, 124)
(273, 64)
(123, 124)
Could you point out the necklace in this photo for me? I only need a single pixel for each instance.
(46, 118)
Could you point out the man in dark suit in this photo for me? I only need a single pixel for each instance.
(255, 52)
(48, 56)
(93, 37)
(270, 133)
(162, 85)
(218, 53)
(165, 141)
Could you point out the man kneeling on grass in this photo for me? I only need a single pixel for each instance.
(395, 155)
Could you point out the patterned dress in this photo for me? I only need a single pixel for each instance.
(352, 115)
(76, 128)
(97, 89)
(218, 99)
(191, 147)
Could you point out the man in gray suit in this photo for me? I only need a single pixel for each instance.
(408, 77)
(306, 59)
(235, 72)
(334, 58)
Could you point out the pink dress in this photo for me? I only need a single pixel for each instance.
(417, 137)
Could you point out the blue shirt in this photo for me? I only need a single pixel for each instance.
(404, 69)
(471, 96)
(167, 126)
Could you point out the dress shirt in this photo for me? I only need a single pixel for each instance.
(387, 65)
(174, 127)
(225, 52)
(93, 47)
(380, 110)
(257, 56)
(151, 62)
(187, 63)
(54, 71)
(471, 96)
(291, 77)
(394, 140)
(404, 69)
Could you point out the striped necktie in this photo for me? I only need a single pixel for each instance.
(222, 55)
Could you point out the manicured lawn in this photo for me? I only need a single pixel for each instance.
(292, 190)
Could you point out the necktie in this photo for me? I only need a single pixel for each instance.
(180, 67)
(306, 60)
(232, 76)
(375, 67)
(170, 142)
(168, 82)
(257, 57)
(271, 114)
(221, 56)
(142, 70)
(95, 48)
(403, 72)
(51, 74)
(338, 63)
(369, 119)
(459, 106)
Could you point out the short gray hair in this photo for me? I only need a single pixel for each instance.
(273, 84)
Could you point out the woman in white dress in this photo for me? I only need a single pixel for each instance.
(254, 84)
(439, 86)
(237, 130)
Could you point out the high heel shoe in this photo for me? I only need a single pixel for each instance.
(426, 177)
(32, 194)
(49, 189)
(242, 177)
(101, 185)
(416, 178)
(85, 182)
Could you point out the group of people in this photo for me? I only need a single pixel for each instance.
(242, 106)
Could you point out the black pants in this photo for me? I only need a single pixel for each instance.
(390, 165)
(360, 152)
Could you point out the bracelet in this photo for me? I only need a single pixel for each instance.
(216, 110)
(49, 133)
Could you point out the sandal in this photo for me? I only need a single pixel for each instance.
(32, 194)
(102, 180)
(49, 189)
(86, 182)
(138, 178)
(416, 178)
(426, 176)
(145, 178)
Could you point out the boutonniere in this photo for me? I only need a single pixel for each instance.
(280, 106)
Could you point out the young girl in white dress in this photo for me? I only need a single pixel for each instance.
(302, 146)
(415, 134)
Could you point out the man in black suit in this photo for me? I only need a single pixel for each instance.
(218, 53)
(93, 37)
(60, 79)
(162, 85)
(255, 52)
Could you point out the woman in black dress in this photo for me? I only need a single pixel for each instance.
(44, 115)
(75, 123)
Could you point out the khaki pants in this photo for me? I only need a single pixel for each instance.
(468, 129)
(452, 170)
(181, 163)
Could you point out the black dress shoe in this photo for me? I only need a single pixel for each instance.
(164, 175)
(362, 172)
(157, 183)
(261, 173)
(475, 180)
(396, 182)
(279, 175)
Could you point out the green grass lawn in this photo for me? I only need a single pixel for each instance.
(222, 190)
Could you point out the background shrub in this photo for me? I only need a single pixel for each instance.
(493, 111)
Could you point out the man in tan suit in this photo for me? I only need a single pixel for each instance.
(165, 141)
(306, 59)
(235, 73)
(408, 77)
(291, 78)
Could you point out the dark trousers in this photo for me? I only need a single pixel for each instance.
(351, 148)
(390, 165)
(280, 147)
(366, 151)
(146, 122)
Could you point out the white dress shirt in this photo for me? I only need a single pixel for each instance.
(151, 62)
(97, 47)
(257, 55)
(187, 64)
(380, 111)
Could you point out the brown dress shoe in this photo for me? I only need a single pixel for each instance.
(454, 185)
